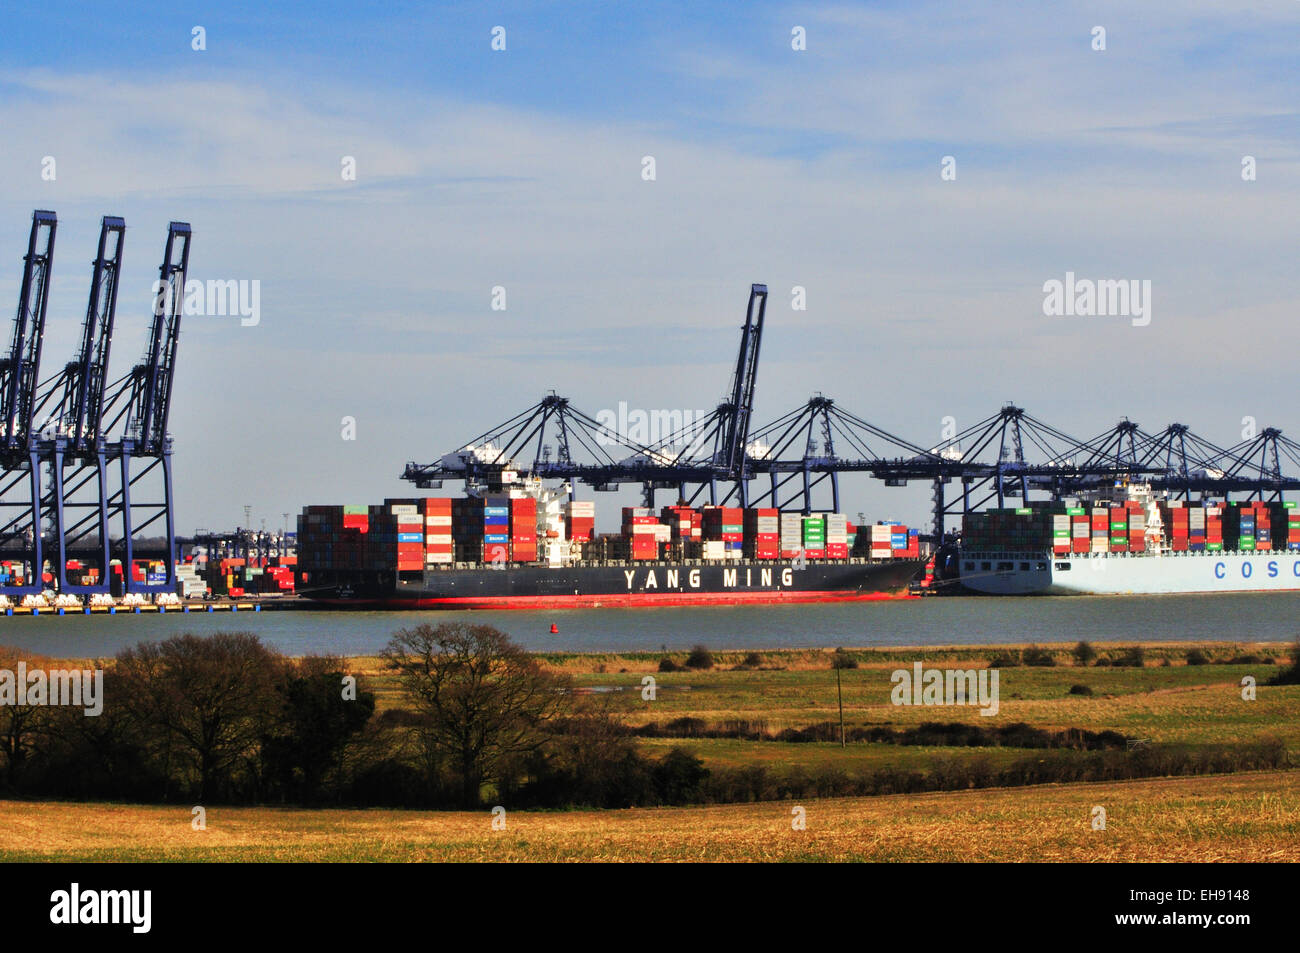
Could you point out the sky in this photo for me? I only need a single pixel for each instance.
(522, 168)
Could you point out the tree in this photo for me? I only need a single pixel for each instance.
(314, 725)
(484, 699)
(209, 700)
(23, 728)
(1084, 654)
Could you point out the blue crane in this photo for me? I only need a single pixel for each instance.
(73, 446)
(20, 484)
(141, 402)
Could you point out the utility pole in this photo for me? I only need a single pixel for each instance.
(836, 659)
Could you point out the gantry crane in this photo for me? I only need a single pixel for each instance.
(72, 444)
(20, 482)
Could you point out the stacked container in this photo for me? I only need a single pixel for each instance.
(814, 536)
(496, 529)
(1080, 529)
(762, 534)
(523, 529)
(725, 524)
(837, 536)
(437, 531)
(791, 538)
(1061, 533)
(684, 523)
(1177, 518)
(401, 535)
(329, 537)
(1213, 527)
(639, 524)
(1247, 527)
(1198, 522)
(582, 520)
(1137, 527)
(878, 540)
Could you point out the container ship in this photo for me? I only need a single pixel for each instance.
(1137, 545)
(532, 550)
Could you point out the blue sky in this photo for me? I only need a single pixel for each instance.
(817, 168)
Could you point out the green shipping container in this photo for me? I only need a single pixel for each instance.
(1289, 505)
(1060, 534)
(1121, 525)
(1213, 547)
(1119, 540)
(1076, 511)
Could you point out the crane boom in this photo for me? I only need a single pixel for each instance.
(20, 369)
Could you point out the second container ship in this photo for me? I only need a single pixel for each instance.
(1138, 544)
(533, 549)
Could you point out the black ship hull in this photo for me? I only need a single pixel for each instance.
(633, 584)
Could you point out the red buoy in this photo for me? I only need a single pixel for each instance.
(555, 629)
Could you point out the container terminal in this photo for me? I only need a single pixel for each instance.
(87, 498)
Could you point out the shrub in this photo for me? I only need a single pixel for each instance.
(1038, 657)
(1131, 657)
(678, 777)
(1103, 662)
(752, 660)
(700, 657)
(1084, 654)
(1291, 674)
(842, 659)
(1080, 690)
(1008, 659)
(668, 665)
(1197, 657)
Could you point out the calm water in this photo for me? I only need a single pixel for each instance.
(1235, 617)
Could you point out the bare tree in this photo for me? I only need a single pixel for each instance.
(210, 699)
(483, 698)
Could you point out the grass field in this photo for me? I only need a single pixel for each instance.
(1241, 817)
(1247, 816)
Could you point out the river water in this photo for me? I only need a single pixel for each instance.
(934, 621)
